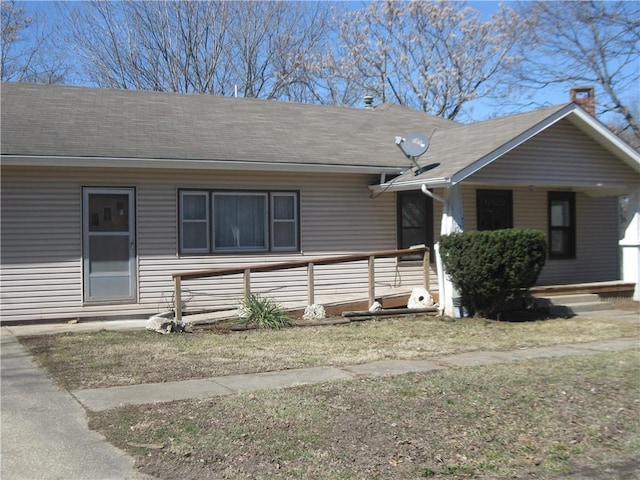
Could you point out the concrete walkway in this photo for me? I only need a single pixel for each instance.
(99, 399)
(44, 429)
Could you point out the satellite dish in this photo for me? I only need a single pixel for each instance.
(414, 144)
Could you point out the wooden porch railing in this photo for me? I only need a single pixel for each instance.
(178, 278)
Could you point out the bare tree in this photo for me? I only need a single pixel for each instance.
(274, 42)
(162, 46)
(587, 43)
(432, 56)
(27, 56)
(621, 127)
(262, 49)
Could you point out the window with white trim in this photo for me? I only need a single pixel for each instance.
(238, 221)
(284, 221)
(194, 222)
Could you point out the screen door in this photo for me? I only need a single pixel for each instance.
(109, 248)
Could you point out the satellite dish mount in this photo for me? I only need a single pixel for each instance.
(413, 146)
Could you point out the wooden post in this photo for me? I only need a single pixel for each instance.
(426, 260)
(310, 285)
(247, 282)
(372, 280)
(177, 299)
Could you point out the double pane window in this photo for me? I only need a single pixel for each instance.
(284, 222)
(562, 226)
(221, 221)
(194, 224)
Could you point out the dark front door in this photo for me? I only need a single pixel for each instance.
(494, 209)
(415, 221)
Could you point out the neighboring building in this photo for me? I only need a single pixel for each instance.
(106, 193)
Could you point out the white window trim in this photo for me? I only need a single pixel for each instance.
(294, 221)
(206, 220)
(269, 221)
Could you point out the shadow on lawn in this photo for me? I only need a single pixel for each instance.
(532, 315)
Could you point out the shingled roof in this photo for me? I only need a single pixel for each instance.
(460, 147)
(49, 120)
(125, 128)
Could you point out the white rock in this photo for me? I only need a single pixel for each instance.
(314, 312)
(375, 306)
(420, 298)
(160, 324)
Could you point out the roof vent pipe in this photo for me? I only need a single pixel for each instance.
(368, 101)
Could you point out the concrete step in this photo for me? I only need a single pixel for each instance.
(575, 298)
(588, 307)
(568, 305)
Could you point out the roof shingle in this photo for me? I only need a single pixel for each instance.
(51, 120)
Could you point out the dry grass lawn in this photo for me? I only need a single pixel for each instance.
(570, 418)
(107, 358)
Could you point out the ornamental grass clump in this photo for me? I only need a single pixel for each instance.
(260, 312)
(492, 268)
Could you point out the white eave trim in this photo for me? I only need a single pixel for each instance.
(624, 151)
(107, 162)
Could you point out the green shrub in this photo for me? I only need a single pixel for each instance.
(492, 268)
(259, 312)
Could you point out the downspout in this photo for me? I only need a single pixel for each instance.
(436, 249)
(452, 221)
(429, 193)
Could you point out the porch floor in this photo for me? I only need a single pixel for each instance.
(611, 288)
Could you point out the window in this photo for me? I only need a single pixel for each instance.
(562, 225)
(494, 209)
(234, 221)
(284, 223)
(194, 222)
(240, 221)
(415, 221)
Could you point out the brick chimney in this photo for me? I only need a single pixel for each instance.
(586, 98)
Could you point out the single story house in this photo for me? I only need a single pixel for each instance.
(106, 193)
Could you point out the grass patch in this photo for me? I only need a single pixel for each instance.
(570, 417)
(262, 312)
(107, 358)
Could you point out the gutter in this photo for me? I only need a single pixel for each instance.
(174, 164)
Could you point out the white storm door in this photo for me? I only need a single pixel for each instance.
(109, 247)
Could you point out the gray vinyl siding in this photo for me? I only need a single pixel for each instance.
(561, 158)
(597, 256)
(562, 155)
(42, 240)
